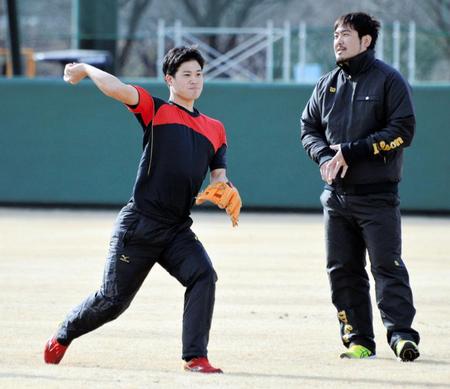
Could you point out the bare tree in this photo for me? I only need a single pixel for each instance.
(3, 26)
(438, 13)
(432, 19)
(138, 8)
(216, 13)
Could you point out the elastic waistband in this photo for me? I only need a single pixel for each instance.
(362, 189)
(157, 217)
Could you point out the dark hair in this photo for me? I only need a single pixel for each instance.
(178, 55)
(361, 22)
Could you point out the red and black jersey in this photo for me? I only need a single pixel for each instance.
(179, 147)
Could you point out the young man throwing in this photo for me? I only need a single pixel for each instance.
(180, 144)
(355, 126)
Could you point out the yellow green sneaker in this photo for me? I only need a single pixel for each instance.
(358, 352)
(406, 351)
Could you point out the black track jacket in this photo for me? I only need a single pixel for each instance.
(364, 105)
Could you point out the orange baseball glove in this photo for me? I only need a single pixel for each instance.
(224, 195)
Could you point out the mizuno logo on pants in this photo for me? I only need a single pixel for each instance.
(124, 258)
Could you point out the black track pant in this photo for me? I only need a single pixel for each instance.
(354, 224)
(137, 243)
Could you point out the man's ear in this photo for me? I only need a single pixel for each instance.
(366, 40)
(168, 79)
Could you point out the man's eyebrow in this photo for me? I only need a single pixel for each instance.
(342, 30)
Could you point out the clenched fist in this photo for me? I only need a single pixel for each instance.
(74, 73)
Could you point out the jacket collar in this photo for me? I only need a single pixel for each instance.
(358, 64)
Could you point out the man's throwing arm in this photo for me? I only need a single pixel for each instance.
(110, 85)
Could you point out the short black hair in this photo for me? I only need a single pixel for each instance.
(363, 23)
(178, 55)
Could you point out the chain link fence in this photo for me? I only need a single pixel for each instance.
(430, 53)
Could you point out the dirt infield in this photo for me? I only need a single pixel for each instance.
(273, 327)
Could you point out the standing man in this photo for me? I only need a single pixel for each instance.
(180, 144)
(355, 126)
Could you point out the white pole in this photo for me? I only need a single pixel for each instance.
(74, 25)
(412, 52)
(178, 33)
(161, 47)
(302, 50)
(287, 51)
(396, 44)
(269, 52)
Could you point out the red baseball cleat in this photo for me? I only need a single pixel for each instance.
(200, 365)
(54, 351)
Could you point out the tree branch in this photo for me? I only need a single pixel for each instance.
(139, 7)
(193, 12)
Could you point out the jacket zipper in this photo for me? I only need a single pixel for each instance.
(353, 84)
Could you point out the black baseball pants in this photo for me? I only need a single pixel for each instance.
(355, 224)
(137, 243)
